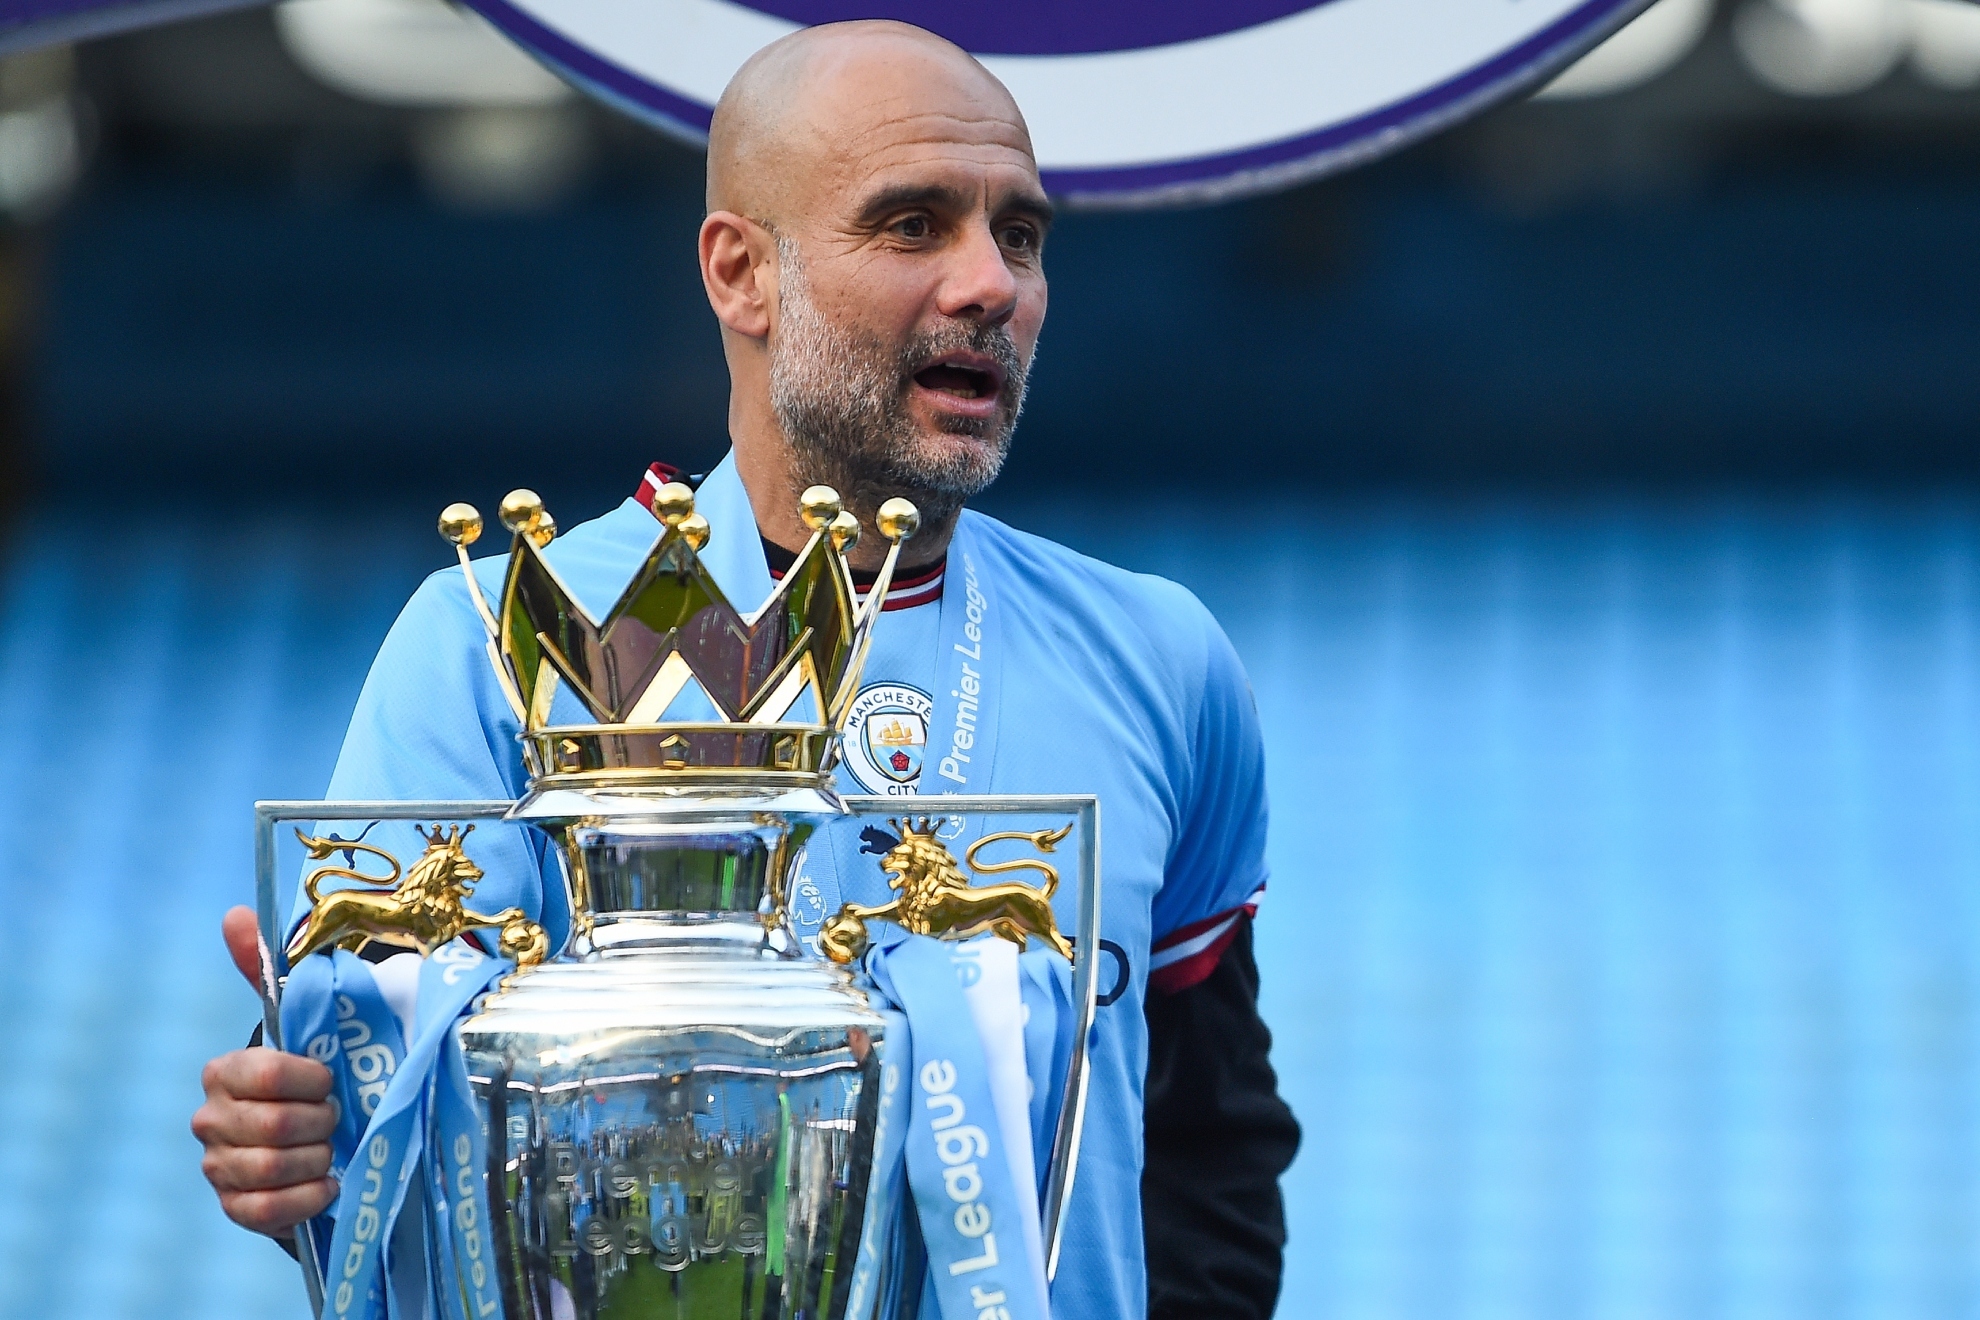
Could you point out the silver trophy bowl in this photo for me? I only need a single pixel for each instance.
(680, 1107)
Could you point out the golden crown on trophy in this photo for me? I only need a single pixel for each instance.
(680, 683)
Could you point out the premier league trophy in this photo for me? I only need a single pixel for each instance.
(687, 1110)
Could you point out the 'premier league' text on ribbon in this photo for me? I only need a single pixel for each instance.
(956, 1142)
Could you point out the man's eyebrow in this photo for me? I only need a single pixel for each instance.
(942, 197)
(903, 196)
(1035, 205)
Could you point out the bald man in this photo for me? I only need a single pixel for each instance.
(873, 254)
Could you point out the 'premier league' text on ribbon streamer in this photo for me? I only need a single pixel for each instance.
(963, 1182)
(422, 1099)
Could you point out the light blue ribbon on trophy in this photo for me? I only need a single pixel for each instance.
(334, 1012)
(371, 1063)
(383, 1168)
(466, 1282)
(969, 1210)
(1045, 982)
(882, 1211)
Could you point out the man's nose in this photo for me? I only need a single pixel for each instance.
(978, 285)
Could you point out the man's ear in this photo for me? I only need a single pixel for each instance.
(738, 270)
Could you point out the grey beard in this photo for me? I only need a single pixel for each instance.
(841, 397)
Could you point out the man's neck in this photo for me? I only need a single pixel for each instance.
(769, 475)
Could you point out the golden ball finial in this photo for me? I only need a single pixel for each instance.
(673, 502)
(460, 524)
(694, 530)
(542, 531)
(844, 531)
(898, 519)
(843, 937)
(819, 505)
(521, 510)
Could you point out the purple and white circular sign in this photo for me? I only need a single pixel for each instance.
(1131, 102)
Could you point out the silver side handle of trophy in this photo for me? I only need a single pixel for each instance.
(1072, 1112)
(1072, 1109)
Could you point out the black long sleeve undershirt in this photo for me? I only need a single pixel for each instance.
(1218, 1137)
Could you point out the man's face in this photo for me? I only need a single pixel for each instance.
(910, 294)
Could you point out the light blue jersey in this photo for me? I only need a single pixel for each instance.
(1057, 674)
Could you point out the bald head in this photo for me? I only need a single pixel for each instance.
(802, 112)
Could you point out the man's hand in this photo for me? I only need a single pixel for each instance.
(266, 1123)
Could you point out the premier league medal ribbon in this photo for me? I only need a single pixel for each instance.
(962, 742)
(993, 1027)
(963, 738)
(882, 1219)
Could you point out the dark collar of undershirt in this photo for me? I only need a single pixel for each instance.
(780, 561)
(910, 587)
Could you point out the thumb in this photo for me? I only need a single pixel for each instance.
(242, 931)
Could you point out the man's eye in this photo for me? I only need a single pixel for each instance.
(1019, 238)
(915, 226)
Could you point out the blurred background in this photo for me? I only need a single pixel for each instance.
(1592, 497)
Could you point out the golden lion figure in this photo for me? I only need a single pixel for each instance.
(423, 912)
(937, 898)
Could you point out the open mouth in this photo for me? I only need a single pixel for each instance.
(965, 377)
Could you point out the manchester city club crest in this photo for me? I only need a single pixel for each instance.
(886, 734)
